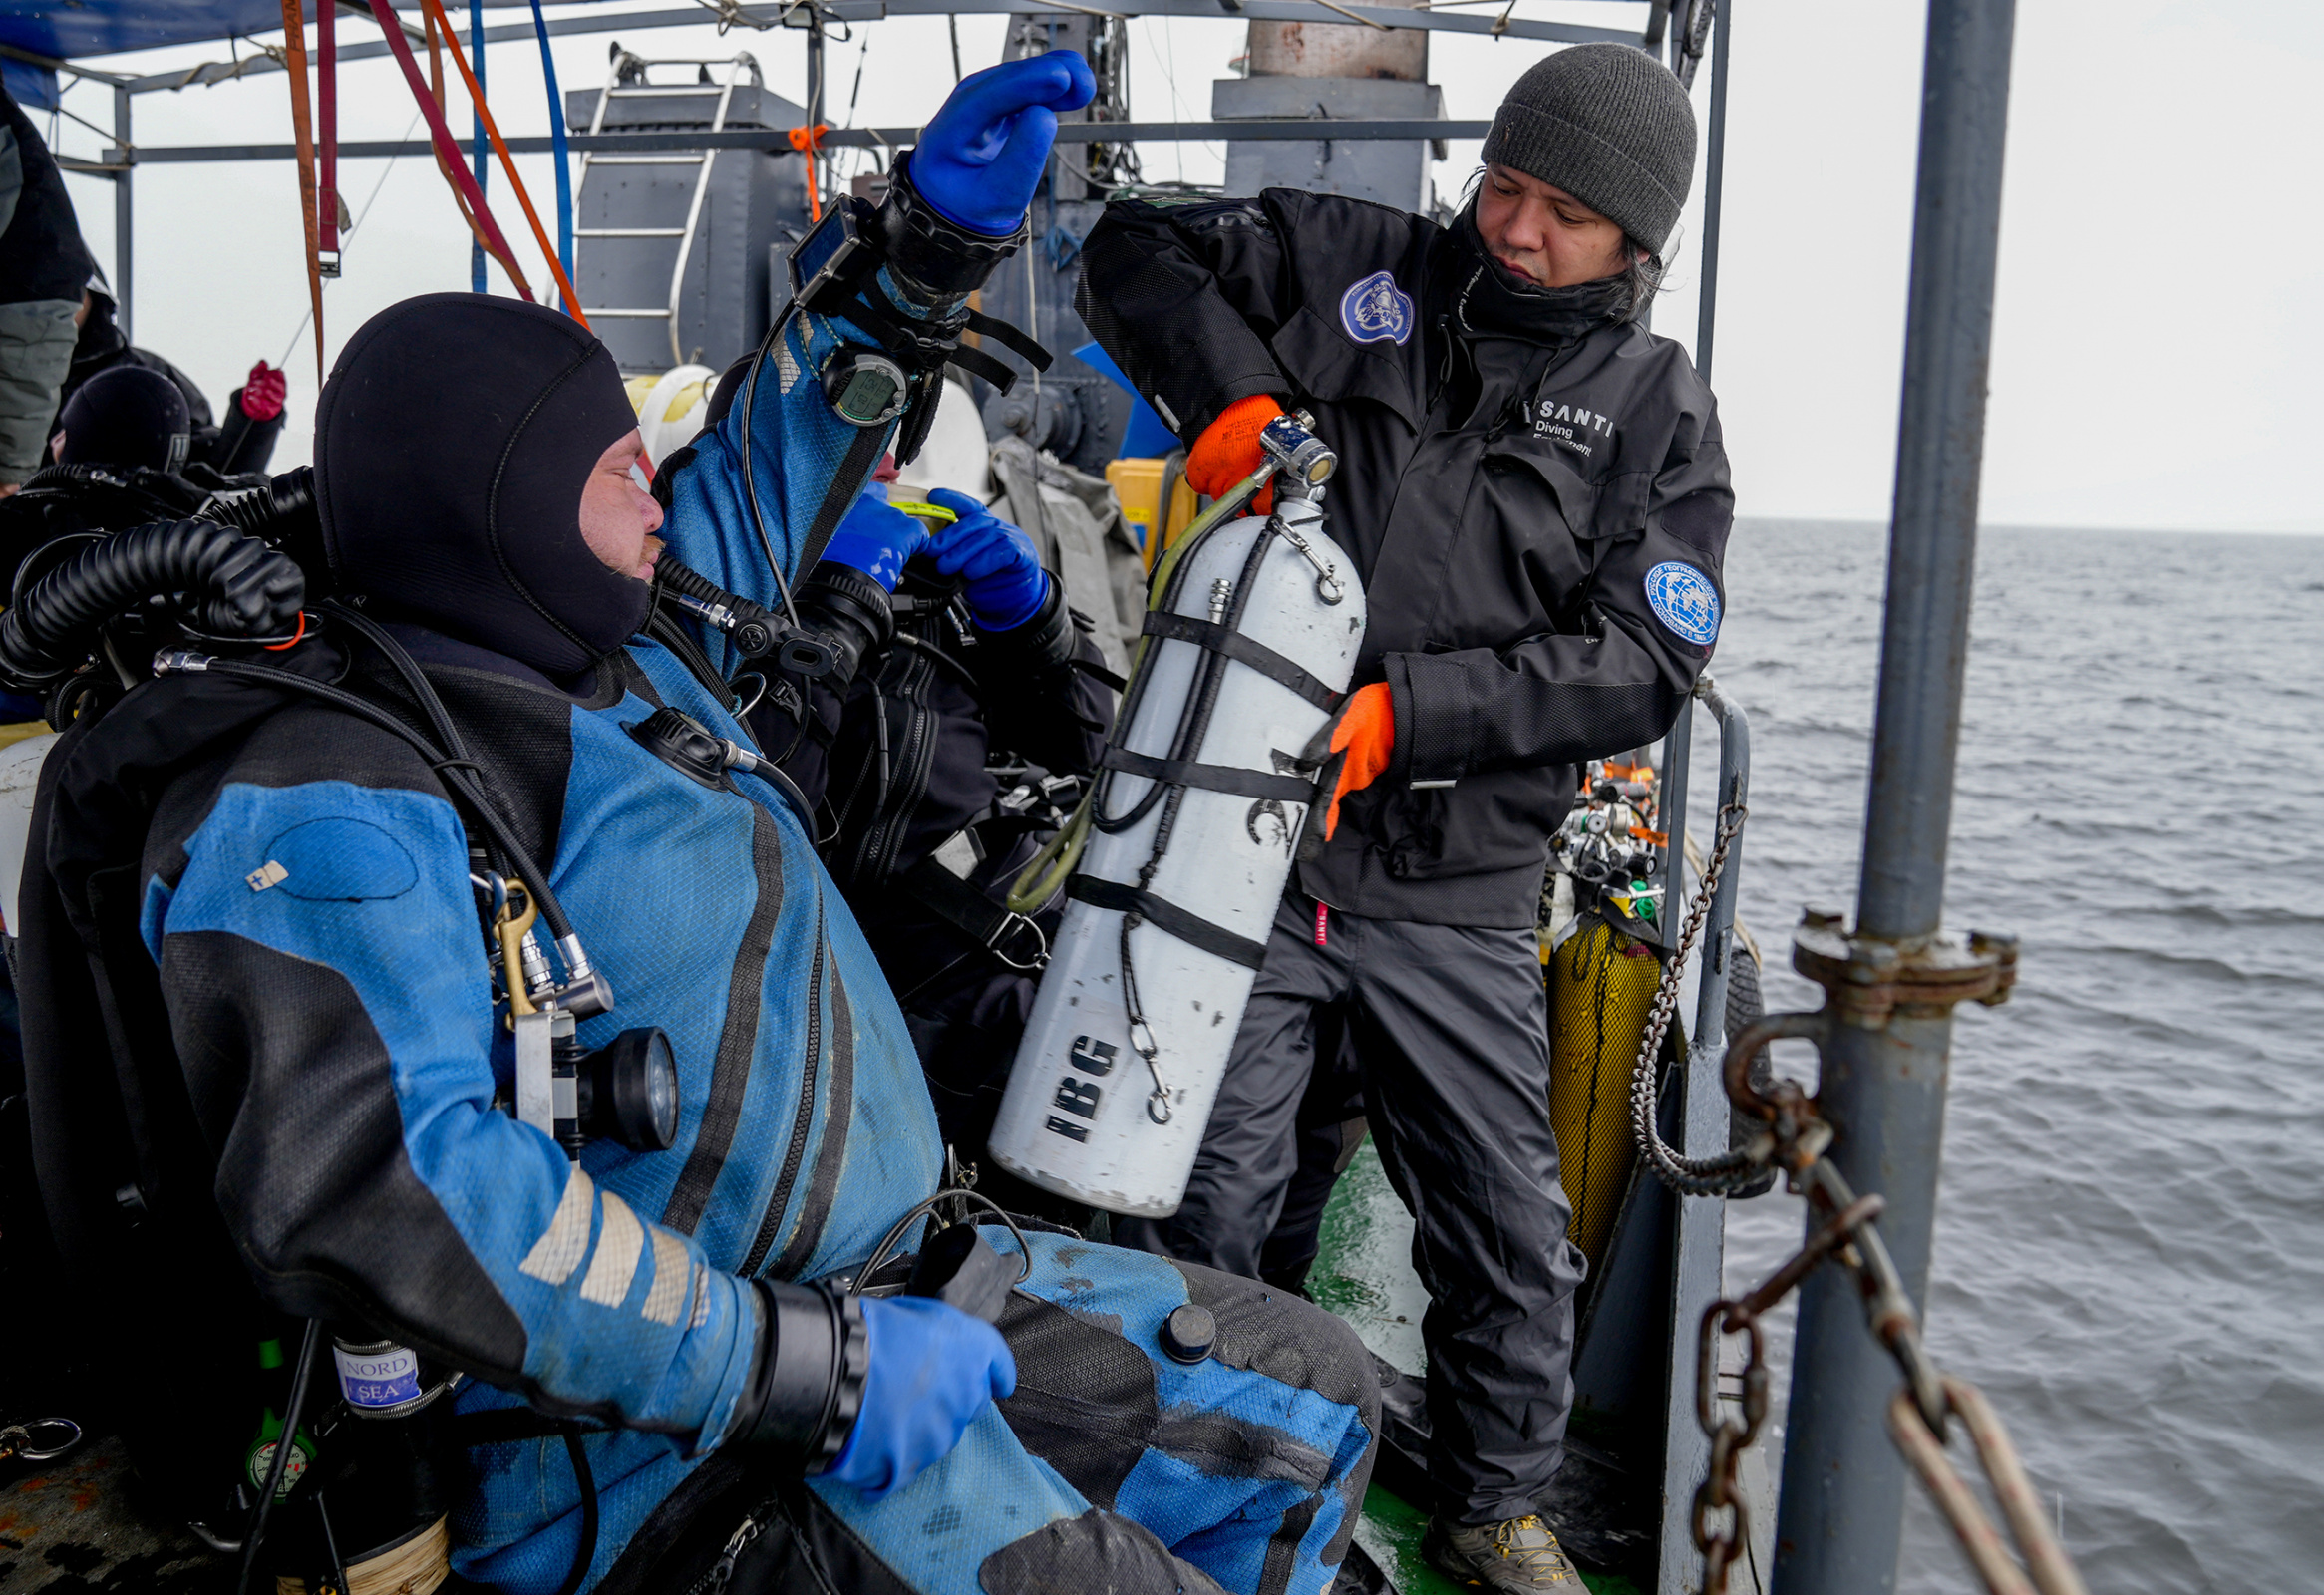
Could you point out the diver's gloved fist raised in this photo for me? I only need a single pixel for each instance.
(875, 538)
(1006, 584)
(934, 1370)
(981, 155)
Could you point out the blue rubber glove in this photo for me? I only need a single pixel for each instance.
(982, 155)
(876, 540)
(1006, 584)
(932, 1367)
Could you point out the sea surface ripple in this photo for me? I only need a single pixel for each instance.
(2130, 1250)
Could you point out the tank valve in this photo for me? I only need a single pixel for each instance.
(1306, 461)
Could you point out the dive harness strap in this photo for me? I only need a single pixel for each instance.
(1242, 650)
(1229, 778)
(1164, 915)
(1011, 938)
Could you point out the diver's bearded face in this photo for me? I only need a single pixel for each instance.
(618, 516)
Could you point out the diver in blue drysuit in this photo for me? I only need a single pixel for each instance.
(308, 903)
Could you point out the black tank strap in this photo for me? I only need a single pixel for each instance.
(1193, 929)
(1011, 938)
(1229, 779)
(1244, 651)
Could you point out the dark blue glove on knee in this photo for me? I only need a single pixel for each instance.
(981, 156)
(1006, 584)
(932, 1368)
(876, 539)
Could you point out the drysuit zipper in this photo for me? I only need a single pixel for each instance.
(810, 1070)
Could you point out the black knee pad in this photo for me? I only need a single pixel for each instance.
(1097, 1550)
(1286, 1337)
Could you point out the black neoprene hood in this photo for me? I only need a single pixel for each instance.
(452, 445)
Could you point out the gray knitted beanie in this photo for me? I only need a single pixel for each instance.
(1611, 127)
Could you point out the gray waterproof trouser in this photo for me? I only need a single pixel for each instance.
(1450, 1025)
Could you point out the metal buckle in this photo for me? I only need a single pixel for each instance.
(24, 1442)
(1016, 924)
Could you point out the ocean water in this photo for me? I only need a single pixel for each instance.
(2130, 1252)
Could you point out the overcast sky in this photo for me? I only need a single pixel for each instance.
(2160, 310)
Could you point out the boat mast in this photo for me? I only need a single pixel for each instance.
(1883, 1090)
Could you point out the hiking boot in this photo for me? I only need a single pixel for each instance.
(1520, 1556)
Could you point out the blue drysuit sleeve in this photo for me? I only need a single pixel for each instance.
(798, 445)
(328, 993)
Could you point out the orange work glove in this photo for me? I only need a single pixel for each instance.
(1365, 733)
(1228, 450)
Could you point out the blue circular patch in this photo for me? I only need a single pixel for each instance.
(1685, 601)
(1377, 308)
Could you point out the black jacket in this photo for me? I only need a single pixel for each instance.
(1521, 472)
(41, 253)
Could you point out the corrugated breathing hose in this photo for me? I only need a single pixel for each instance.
(227, 584)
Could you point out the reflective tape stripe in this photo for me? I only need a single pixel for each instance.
(566, 1240)
(672, 1271)
(619, 1246)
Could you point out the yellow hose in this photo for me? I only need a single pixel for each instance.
(1043, 878)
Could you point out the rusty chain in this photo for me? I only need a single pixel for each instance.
(1796, 1139)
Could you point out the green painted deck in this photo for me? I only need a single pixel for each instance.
(1364, 1274)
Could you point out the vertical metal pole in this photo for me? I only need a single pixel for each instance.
(1699, 1244)
(1884, 1088)
(814, 92)
(477, 149)
(1671, 810)
(124, 250)
(1714, 190)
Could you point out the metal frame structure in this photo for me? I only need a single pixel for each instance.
(1699, 19)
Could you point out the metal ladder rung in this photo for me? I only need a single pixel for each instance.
(696, 90)
(629, 232)
(644, 161)
(626, 315)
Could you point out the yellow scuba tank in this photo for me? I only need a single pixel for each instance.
(1601, 987)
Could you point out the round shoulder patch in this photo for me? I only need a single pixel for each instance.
(1374, 309)
(1684, 601)
(339, 859)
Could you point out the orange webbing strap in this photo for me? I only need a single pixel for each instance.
(808, 141)
(435, 9)
(458, 199)
(294, 43)
(447, 148)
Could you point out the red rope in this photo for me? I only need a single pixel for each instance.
(447, 148)
(327, 125)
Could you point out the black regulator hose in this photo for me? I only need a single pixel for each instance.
(277, 512)
(228, 585)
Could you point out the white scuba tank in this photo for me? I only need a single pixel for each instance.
(1087, 1115)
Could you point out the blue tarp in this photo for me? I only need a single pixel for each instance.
(80, 28)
